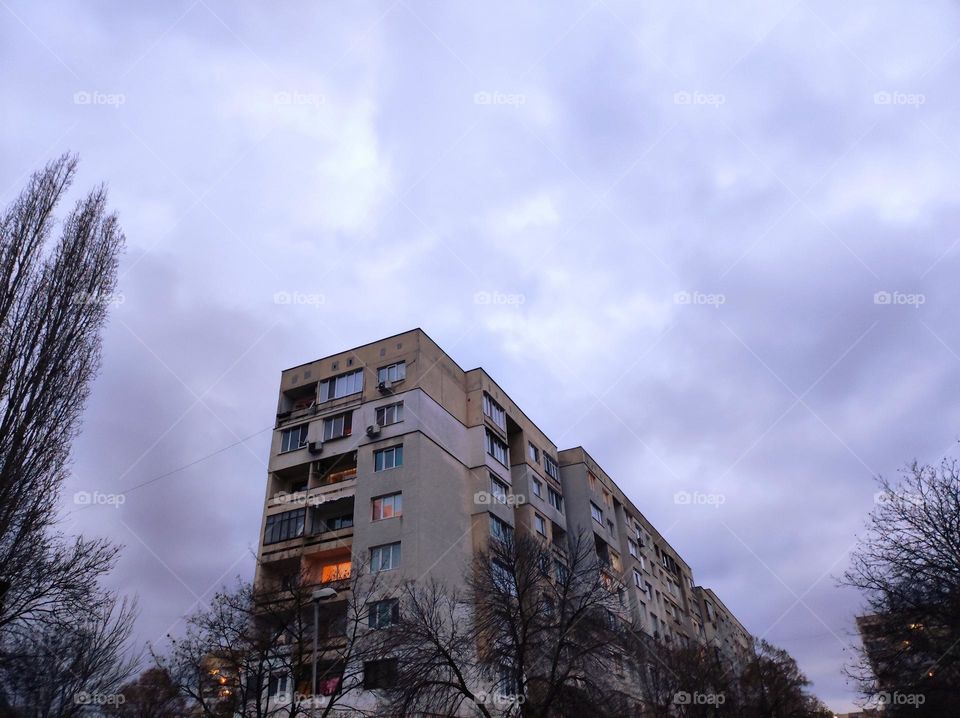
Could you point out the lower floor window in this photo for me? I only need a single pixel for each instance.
(380, 674)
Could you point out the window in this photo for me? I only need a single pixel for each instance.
(611, 528)
(337, 426)
(592, 481)
(343, 385)
(277, 685)
(643, 562)
(382, 614)
(387, 507)
(494, 411)
(386, 557)
(335, 571)
(498, 489)
(287, 525)
(497, 449)
(606, 498)
(551, 467)
(295, 438)
(507, 686)
(615, 561)
(537, 487)
(648, 589)
(637, 579)
(540, 524)
(388, 458)
(390, 414)
(380, 674)
(392, 372)
(533, 452)
(502, 580)
(596, 513)
(555, 499)
(562, 571)
(500, 529)
(633, 548)
(335, 523)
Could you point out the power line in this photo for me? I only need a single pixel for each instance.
(192, 463)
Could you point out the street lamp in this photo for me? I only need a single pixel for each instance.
(320, 594)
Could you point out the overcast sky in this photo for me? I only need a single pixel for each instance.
(714, 243)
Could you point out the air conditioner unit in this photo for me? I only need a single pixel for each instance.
(315, 447)
(373, 430)
(384, 386)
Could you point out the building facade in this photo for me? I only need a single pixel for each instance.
(391, 454)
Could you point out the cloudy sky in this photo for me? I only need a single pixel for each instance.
(714, 243)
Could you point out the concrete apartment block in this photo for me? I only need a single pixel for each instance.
(393, 443)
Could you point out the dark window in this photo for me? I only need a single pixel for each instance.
(384, 613)
(287, 525)
(556, 500)
(380, 674)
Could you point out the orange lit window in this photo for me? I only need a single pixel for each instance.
(335, 572)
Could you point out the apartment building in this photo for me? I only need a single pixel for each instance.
(393, 455)
(722, 630)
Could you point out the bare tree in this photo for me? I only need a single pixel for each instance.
(534, 634)
(251, 652)
(908, 567)
(67, 668)
(152, 695)
(53, 305)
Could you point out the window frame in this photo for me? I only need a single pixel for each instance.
(375, 616)
(493, 411)
(286, 520)
(551, 466)
(537, 487)
(396, 502)
(495, 442)
(540, 524)
(382, 412)
(346, 425)
(303, 429)
(555, 498)
(594, 512)
(395, 552)
(400, 372)
(354, 387)
(379, 458)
